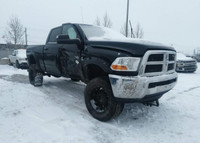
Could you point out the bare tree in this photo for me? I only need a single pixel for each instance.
(97, 21)
(138, 33)
(106, 21)
(123, 29)
(15, 31)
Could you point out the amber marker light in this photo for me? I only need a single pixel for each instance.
(119, 67)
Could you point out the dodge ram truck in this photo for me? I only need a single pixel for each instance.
(115, 69)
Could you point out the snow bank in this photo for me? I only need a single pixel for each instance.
(10, 70)
(4, 61)
(56, 113)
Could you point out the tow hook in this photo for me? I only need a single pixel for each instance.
(154, 103)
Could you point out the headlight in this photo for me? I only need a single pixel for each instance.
(179, 63)
(125, 64)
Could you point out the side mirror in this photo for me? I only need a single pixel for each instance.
(64, 39)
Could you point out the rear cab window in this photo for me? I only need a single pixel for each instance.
(53, 34)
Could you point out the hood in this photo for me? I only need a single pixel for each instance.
(134, 47)
(22, 56)
(182, 57)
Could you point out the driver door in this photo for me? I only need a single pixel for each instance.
(71, 53)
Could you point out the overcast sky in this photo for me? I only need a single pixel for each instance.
(174, 22)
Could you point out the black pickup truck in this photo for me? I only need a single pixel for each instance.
(116, 69)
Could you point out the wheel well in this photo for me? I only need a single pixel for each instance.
(94, 71)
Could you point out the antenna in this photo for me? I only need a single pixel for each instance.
(82, 15)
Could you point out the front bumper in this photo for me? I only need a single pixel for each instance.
(22, 61)
(192, 68)
(23, 64)
(138, 87)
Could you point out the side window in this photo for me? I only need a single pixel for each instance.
(54, 33)
(70, 31)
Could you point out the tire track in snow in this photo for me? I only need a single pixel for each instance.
(190, 89)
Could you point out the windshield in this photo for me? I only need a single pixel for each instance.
(180, 55)
(100, 33)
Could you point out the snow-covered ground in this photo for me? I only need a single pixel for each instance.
(56, 113)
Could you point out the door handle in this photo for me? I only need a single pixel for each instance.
(45, 48)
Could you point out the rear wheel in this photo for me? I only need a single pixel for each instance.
(35, 77)
(99, 100)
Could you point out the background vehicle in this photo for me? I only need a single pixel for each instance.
(18, 58)
(185, 64)
(116, 70)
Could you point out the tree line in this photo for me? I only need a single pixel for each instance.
(15, 32)
(136, 32)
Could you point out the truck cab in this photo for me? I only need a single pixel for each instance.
(116, 69)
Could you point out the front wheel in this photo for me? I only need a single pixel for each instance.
(99, 100)
(35, 77)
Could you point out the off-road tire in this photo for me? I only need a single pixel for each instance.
(35, 77)
(97, 85)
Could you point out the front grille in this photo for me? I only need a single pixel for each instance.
(159, 62)
(153, 68)
(170, 67)
(188, 63)
(156, 57)
(172, 57)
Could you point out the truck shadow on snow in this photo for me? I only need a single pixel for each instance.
(19, 78)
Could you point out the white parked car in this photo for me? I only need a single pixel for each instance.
(18, 58)
(185, 64)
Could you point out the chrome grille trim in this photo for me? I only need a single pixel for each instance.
(164, 63)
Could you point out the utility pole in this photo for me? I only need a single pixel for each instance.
(26, 36)
(132, 34)
(127, 18)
